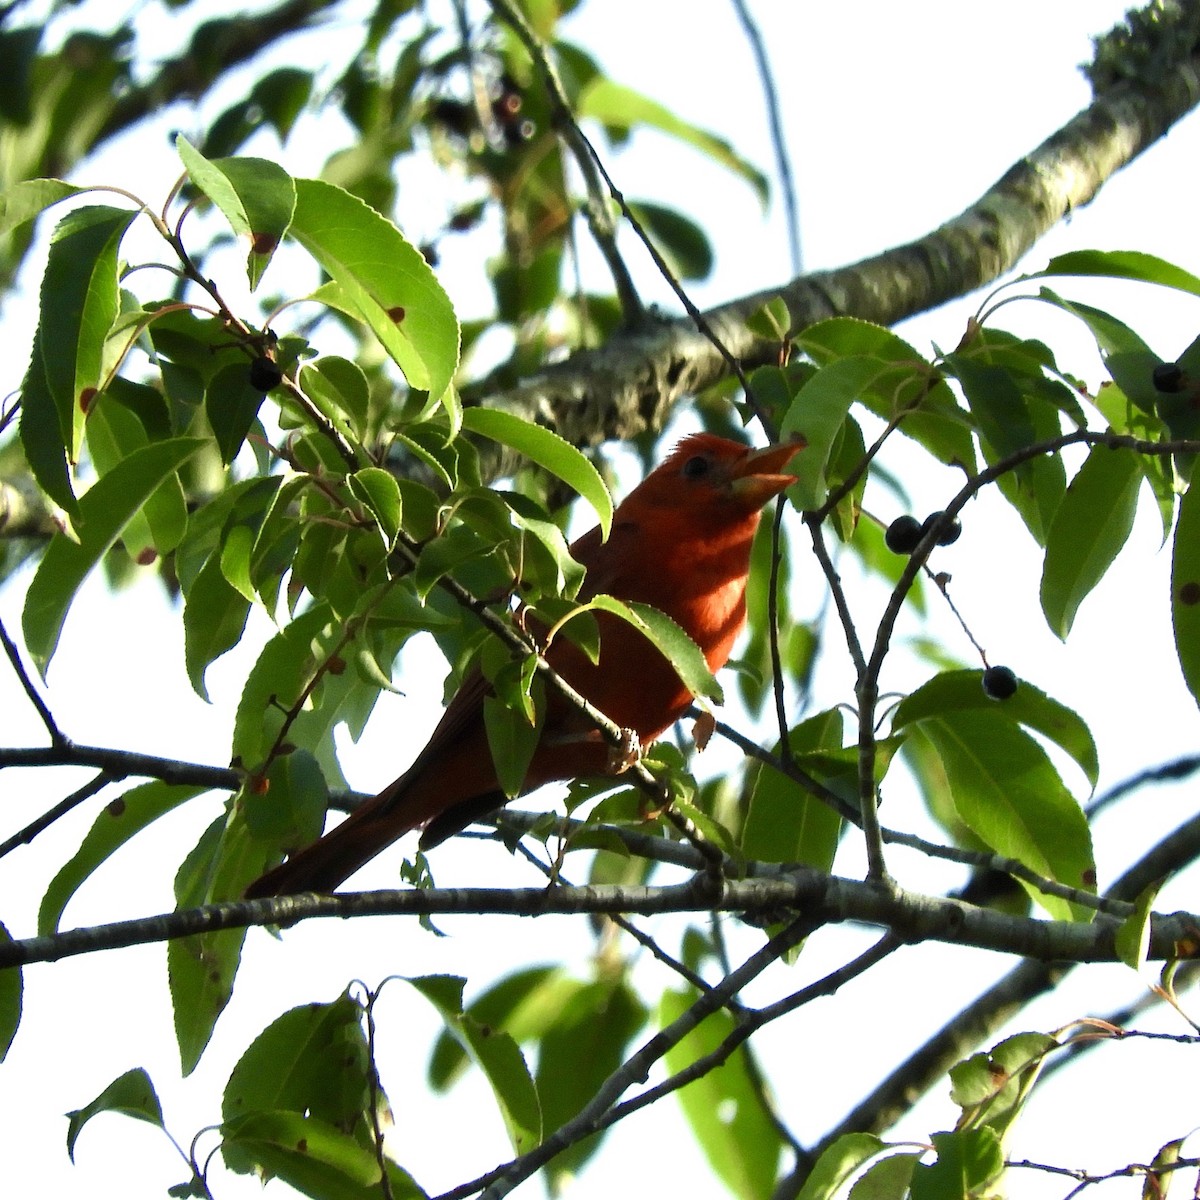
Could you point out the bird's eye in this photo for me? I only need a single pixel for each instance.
(696, 467)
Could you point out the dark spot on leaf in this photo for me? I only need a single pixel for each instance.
(86, 397)
(302, 1145)
(263, 243)
(396, 314)
(337, 665)
(146, 556)
(1189, 593)
(1089, 878)
(214, 977)
(116, 808)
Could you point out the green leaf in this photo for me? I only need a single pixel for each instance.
(1185, 588)
(724, 1106)
(380, 492)
(79, 302)
(201, 968)
(495, 1054)
(289, 810)
(1133, 936)
(839, 1164)
(784, 823)
(28, 199)
(968, 1163)
(306, 1153)
(991, 1088)
(131, 1094)
(116, 823)
(548, 450)
(386, 279)
(962, 691)
(1012, 418)
(42, 437)
(1007, 792)
(231, 404)
(1091, 525)
(680, 651)
(313, 1059)
(818, 413)
(103, 512)
(683, 245)
(912, 391)
(621, 109)
(214, 618)
(257, 197)
(512, 740)
(12, 987)
(1122, 264)
(583, 1045)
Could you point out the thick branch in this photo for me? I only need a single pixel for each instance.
(634, 382)
(912, 916)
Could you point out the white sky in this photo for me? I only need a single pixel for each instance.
(898, 116)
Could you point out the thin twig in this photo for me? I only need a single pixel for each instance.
(783, 163)
(24, 836)
(35, 698)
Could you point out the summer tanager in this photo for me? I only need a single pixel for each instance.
(680, 541)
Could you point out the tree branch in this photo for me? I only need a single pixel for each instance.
(633, 383)
(829, 899)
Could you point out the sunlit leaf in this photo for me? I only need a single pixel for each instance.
(1090, 527)
(103, 513)
(386, 280)
(1185, 588)
(257, 197)
(131, 1094)
(724, 1106)
(12, 988)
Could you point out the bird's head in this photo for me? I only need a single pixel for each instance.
(706, 473)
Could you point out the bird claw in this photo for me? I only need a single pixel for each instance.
(627, 754)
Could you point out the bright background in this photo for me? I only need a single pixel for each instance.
(897, 117)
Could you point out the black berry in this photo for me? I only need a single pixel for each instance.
(903, 535)
(948, 534)
(1168, 377)
(999, 683)
(265, 373)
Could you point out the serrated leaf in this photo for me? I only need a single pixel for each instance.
(931, 415)
(967, 1163)
(12, 988)
(311, 1060)
(385, 278)
(103, 513)
(724, 1106)
(1006, 790)
(1091, 525)
(962, 691)
(683, 245)
(783, 822)
(1185, 588)
(201, 969)
(119, 820)
(839, 1163)
(818, 413)
(1132, 940)
(380, 492)
(548, 450)
(29, 198)
(256, 196)
(680, 651)
(496, 1055)
(1122, 264)
(231, 404)
(309, 1154)
(131, 1094)
(214, 619)
(79, 301)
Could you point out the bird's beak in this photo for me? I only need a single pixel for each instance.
(757, 476)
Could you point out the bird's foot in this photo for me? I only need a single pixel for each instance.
(625, 755)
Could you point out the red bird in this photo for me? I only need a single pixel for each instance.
(681, 542)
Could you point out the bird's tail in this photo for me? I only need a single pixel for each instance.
(332, 859)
